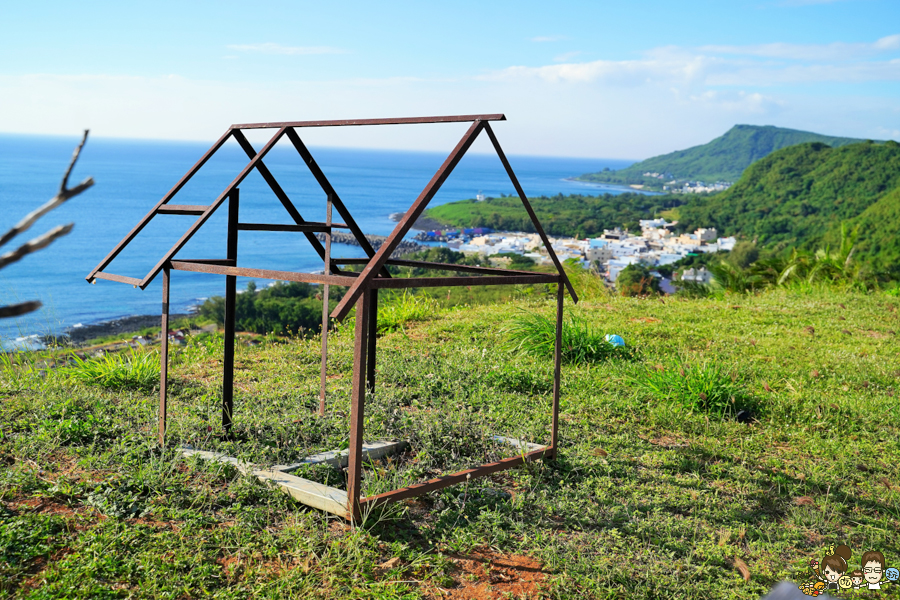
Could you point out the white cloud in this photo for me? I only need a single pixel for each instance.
(270, 48)
(666, 99)
(687, 68)
(811, 52)
(566, 56)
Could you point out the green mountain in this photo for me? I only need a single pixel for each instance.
(723, 159)
(799, 196)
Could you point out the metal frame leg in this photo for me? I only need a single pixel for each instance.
(358, 405)
(557, 360)
(230, 299)
(164, 357)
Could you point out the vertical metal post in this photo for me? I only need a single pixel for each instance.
(358, 404)
(373, 334)
(164, 356)
(325, 308)
(230, 298)
(557, 360)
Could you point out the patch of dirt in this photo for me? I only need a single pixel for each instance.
(50, 507)
(486, 575)
(668, 441)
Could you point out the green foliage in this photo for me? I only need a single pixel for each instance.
(574, 215)
(130, 369)
(704, 387)
(723, 159)
(280, 308)
(798, 196)
(744, 254)
(24, 538)
(517, 261)
(404, 308)
(636, 280)
(581, 343)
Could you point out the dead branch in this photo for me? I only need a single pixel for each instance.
(42, 241)
(23, 308)
(61, 196)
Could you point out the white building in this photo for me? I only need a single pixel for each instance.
(700, 275)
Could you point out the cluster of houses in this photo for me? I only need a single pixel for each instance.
(445, 235)
(609, 253)
(695, 187)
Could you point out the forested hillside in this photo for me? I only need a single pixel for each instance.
(800, 195)
(574, 215)
(723, 159)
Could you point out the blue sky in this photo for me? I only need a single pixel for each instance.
(599, 79)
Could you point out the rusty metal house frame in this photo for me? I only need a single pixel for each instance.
(362, 293)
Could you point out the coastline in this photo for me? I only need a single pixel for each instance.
(120, 326)
(615, 186)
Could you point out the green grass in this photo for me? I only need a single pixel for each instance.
(535, 334)
(128, 369)
(706, 387)
(648, 498)
(404, 308)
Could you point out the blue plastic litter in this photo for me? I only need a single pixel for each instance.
(615, 340)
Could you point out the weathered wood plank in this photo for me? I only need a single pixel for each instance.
(340, 458)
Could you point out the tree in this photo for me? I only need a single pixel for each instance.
(636, 280)
(744, 254)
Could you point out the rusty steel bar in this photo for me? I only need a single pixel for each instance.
(227, 262)
(164, 357)
(358, 406)
(212, 208)
(353, 122)
(438, 483)
(325, 309)
(387, 248)
(181, 209)
(418, 282)
(307, 226)
(279, 192)
(421, 264)
(530, 211)
(120, 278)
(557, 367)
(330, 192)
(230, 301)
(345, 279)
(373, 336)
(143, 222)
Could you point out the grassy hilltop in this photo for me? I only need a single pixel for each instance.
(722, 159)
(659, 491)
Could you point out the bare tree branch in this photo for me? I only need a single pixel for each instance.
(14, 310)
(42, 241)
(62, 195)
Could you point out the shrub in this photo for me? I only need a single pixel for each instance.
(130, 369)
(707, 387)
(636, 280)
(581, 343)
(402, 309)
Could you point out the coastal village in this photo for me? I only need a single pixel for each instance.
(655, 246)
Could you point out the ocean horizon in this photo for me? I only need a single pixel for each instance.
(132, 175)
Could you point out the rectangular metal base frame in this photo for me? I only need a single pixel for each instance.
(335, 501)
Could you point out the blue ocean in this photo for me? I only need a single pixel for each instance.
(132, 175)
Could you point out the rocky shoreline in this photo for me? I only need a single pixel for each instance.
(122, 326)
